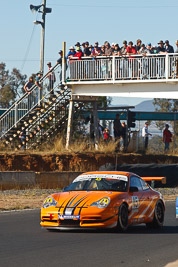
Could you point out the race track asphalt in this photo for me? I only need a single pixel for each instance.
(24, 244)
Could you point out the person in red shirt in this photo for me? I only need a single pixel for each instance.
(79, 53)
(167, 137)
(132, 62)
(106, 134)
(131, 49)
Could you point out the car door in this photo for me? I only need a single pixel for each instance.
(139, 200)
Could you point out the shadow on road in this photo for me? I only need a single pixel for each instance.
(139, 229)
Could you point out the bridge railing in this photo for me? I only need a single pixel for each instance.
(26, 103)
(115, 68)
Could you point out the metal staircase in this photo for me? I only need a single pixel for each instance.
(31, 121)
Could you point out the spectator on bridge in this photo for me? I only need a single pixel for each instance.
(87, 51)
(116, 50)
(77, 45)
(79, 53)
(168, 47)
(112, 46)
(138, 45)
(142, 50)
(149, 49)
(39, 86)
(97, 44)
(154, 49)
(176, 51)
(103, 63)
(59, 61)
(142, 63)
(37, 79)
(124, 48)
(27, 88)
(131, 49)
(145, 135)
(124, 62)
(83, 47)
(28, 85)
(132, 62)
(108, 49)
(71, 52)
(96, 51)
(90, 48)
(102, 52)
(117, 127)
(167, 138)
(51, 77)
(161, 48)
(108, 52)
(150, 62)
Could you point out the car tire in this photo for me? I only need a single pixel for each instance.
(158, 218)
(123, 218)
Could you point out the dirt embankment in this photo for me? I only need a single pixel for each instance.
(76, 161)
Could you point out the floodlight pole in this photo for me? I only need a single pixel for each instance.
(42, 37)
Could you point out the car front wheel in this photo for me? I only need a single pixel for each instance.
(123, 218)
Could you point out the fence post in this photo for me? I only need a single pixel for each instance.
(64, 63)
(113, 68)
(166, 67)
(16, 114)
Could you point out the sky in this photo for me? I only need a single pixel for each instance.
(72, 21)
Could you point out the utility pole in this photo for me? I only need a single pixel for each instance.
(44, 10)
(42, 37)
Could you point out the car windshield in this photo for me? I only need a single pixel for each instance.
(98, 184)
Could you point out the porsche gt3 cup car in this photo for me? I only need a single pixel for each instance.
(104, 200)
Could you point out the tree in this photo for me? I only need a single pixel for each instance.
(166, 105)
(11, 85)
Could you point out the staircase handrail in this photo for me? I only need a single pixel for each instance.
(32, 89)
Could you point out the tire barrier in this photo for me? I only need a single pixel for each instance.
(170, 171)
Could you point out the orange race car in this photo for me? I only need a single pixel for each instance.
(104, 200)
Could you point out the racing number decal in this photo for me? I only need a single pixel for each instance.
(135, 202)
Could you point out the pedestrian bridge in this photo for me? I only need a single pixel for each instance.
(152, 76)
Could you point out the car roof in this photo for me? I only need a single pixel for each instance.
(107, 172)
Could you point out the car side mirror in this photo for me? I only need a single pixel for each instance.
(133, 189)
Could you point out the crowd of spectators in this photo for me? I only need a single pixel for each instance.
(137, 67)
(86, 50)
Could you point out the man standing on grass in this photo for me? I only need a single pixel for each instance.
(145, 135)
(167, 135)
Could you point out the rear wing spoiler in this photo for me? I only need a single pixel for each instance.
(153, 179)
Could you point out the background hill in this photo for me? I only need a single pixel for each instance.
(145, 106)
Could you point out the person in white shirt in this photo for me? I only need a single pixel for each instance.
(145, 135)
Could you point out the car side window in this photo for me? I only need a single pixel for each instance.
(144, 185)
(136, 182)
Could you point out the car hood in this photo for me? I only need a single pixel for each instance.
(81, 198)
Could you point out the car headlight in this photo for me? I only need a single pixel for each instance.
(102, 203)
(49, 201)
